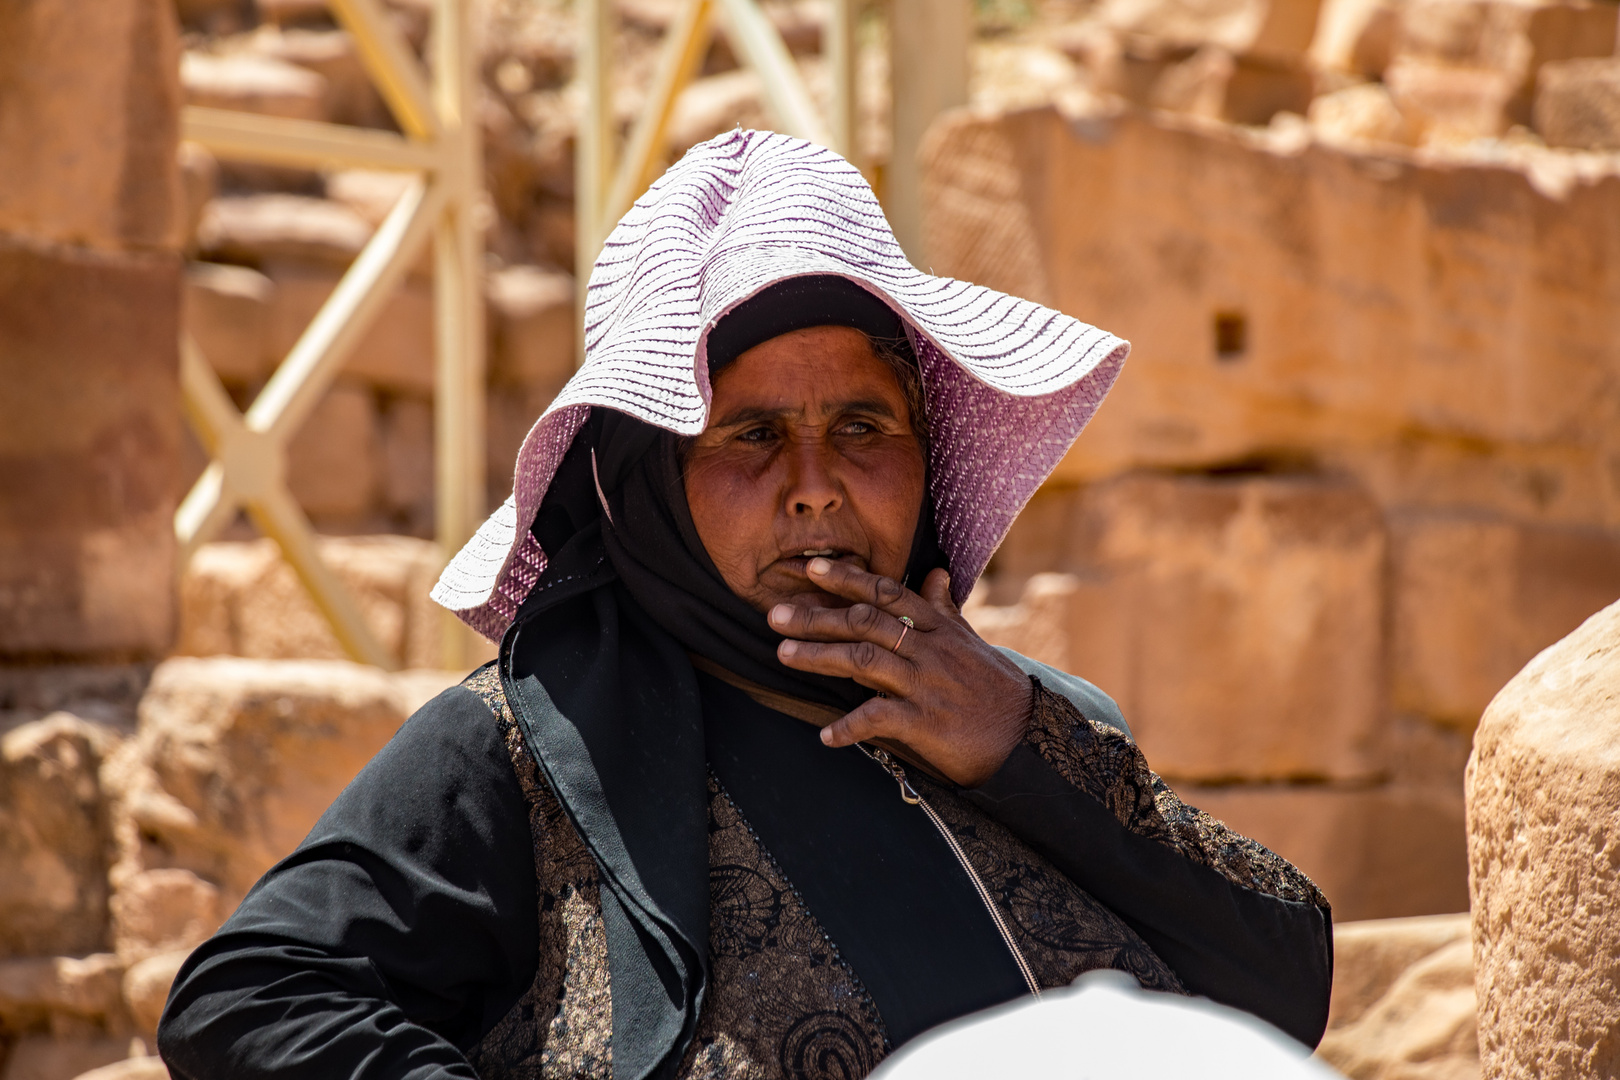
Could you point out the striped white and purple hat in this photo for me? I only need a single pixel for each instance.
(1009, 384)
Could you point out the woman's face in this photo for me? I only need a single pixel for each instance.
(809, 451)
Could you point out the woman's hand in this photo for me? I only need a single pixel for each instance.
(952, 698)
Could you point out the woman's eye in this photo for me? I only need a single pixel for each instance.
(756, 435)
(857, 427)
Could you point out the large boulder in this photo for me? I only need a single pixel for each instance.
(1544, 855)
(241, 598)
(234, 761)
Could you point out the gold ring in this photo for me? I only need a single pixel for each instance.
(905, 628)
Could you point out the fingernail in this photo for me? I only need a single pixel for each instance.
(781, 613)
(826, 736)
(819, 565)
(789, 647)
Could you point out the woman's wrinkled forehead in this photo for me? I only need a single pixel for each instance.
(798, 304)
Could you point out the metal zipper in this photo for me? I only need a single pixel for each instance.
(909, 796)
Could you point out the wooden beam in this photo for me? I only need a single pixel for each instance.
(391, 64)
(593, 148)
(458, 314)
(754, 38)
(685, 44)
(928, 70)
(279, 517)
(304, 144)
(843, 60)
(320, 351)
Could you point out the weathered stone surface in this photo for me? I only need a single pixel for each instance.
(1236, 620)
(234, 762)
(1370, 956)
(1376, 852)
(226, 311)
(1578, 104)
(33, 990)
(92, 106)
(333, 459)
(54, 841)
(255, 84)
(255, 229)
(146, 987)
(1543, 785)
(1475, 598)
(135, 1068)
(51, 1057)
(161, 911)
(89, 440)
(242, 599)
(1413, 980)
(1419, 324)
(395, 353)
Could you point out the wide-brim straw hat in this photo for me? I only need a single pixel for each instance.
(1009, 384)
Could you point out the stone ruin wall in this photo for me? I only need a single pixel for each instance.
(1363, 464)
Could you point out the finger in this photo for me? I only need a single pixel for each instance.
(853, 583)
(936, 589)
(874, 719)
(859, 622)
(868, 664)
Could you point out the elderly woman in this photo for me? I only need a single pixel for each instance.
(744, 795)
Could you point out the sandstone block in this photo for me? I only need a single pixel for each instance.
(242, 599)
(396, 353)
(255, 84)
(49, 1057)
(54, 842)
(1451, 103)
(252, 752)
(1361, 114)
(226, 310)
(261, 228)
(371, 193)
(332, 461)
(1380, 852)
(1251, 613)
(1371, 955)
(1475, 598)
(35, 989)
(165, 910)
(347, 93)
(89, 440)
(1278, 29)
(1578, 104)
(1424, 336)
(1423, 1028)
(532, 327)
(146, 987)
(1543, 784)
(407, 461)
(199, 184)
(92, 105)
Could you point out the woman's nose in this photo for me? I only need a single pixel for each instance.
(812, 489)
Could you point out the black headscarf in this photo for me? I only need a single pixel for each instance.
(634, 470)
